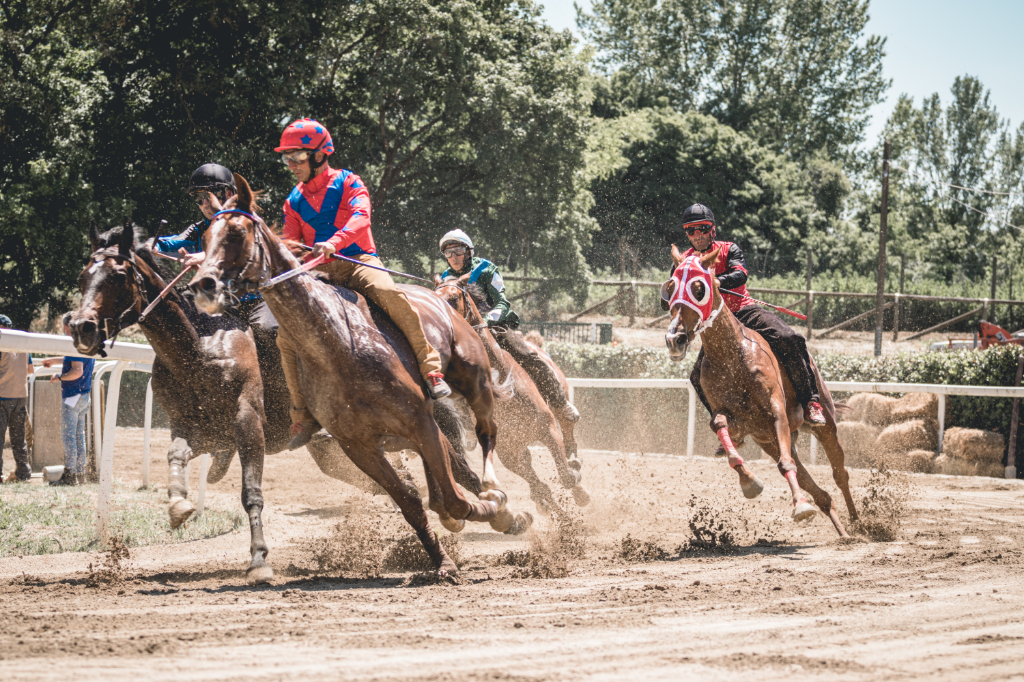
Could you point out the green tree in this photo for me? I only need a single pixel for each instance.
(799, 76)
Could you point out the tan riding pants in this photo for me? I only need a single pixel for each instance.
(379, 288)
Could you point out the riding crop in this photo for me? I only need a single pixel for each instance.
(776, 307)
(338, 256)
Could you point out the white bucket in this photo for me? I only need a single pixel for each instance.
(53, 473)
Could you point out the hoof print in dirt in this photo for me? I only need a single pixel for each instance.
(427, 579)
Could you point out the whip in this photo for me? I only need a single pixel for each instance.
(776, 307)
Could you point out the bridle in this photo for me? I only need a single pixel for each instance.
(112, 326)
(454, 282)
(242, 285)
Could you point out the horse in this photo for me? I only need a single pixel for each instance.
(524, 417)
(357, 370)
(209, 374)
(748, 391)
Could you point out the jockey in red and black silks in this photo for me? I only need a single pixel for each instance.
(789, 347)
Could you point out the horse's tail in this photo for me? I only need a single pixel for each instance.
(504, 390)
(842, 408)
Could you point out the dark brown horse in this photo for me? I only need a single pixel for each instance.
(522, 414)
(749, 392)
(357, 370)
(208, 374)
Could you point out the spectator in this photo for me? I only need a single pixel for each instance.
(14, 371)
(75, 385)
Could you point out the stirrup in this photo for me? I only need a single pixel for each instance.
(814, 414)
(302, 432)
(439, 388)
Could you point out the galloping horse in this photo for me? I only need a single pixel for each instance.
(749, 393)
(358, 372)
(524, 417)
(207, 375)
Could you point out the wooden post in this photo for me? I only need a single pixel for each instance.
(632, 303)
(810, 295)
(1011, 451)
(992, 312)
(880, 295)
(896, 310)
(1009, 282)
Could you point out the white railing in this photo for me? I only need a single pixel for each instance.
(941, 390)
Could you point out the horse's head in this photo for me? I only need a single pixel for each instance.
(112, 289)
(235, 261)
(453, 291)
(690, 296)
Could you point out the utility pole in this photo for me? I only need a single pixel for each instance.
(992, 296)
(810, 295)
(896, 308)
(880, 295)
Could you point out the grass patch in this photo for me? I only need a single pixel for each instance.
(38, 519)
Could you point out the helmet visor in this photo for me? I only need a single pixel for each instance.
(295, 157)
(454, 250)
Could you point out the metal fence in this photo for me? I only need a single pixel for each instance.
(571, 332)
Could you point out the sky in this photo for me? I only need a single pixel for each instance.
(930, 42)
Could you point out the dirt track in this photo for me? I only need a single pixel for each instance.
(942, 602)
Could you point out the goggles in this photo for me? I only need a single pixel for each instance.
(298, 156)
(454, 251)
(704, 227)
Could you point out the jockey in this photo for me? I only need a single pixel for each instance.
(457, 248)
(330, 210)
(210, 178)
(789, 347)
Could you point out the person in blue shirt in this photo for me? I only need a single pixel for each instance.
(208, 180)
(75, 387)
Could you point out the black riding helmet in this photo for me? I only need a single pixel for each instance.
(212, 177)
(699, 213)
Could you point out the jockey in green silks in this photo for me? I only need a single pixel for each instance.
(457, 248)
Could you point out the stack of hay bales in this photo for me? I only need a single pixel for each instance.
(971, 452)
(898, 433)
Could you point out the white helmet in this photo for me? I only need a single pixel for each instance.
(457, 236)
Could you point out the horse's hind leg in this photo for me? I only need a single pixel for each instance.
(436, 453)
(251, 450)
(820, 497)
(749, 483)
(551, 437)
(375, 465)
(780, 449)
(178, 456)
(829, 439)
(473, 382)
(220, 465)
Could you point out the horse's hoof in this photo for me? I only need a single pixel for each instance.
(752, 488)
(575, 478)
(452, 525)
(522, 524)
(496, 496)
(503, 521)
(580, 494)
(803, 511)
(259, 575)
(575, 464)
(180, 510)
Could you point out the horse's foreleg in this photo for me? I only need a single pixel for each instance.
(434, 449)
(178, 456)
(749, 483)
(569, 439)
(802, 509)
(821, 497)
(251, 450)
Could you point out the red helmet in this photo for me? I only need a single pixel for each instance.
(306, 133)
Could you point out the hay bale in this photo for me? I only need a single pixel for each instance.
(915, 406)
(916, 434)
(871, 408)
(858, 441)
(974, 445)
(921, 461)
(954, 466)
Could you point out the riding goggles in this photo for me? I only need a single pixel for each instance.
(299, 156)
(704, 227)
(453, 251)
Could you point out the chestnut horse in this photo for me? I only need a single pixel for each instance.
(357, 370)
(524, 416)
(748, 391)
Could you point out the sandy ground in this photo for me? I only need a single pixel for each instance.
(790, 601)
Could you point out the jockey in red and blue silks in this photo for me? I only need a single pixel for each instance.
(329, 210)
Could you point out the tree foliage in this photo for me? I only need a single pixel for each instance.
(798, 76)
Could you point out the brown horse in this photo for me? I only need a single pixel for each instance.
(749, 393)
(357, 370)
(207, 375)
(523, 415)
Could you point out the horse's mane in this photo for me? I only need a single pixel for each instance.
(112, 238)
(476, 292)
